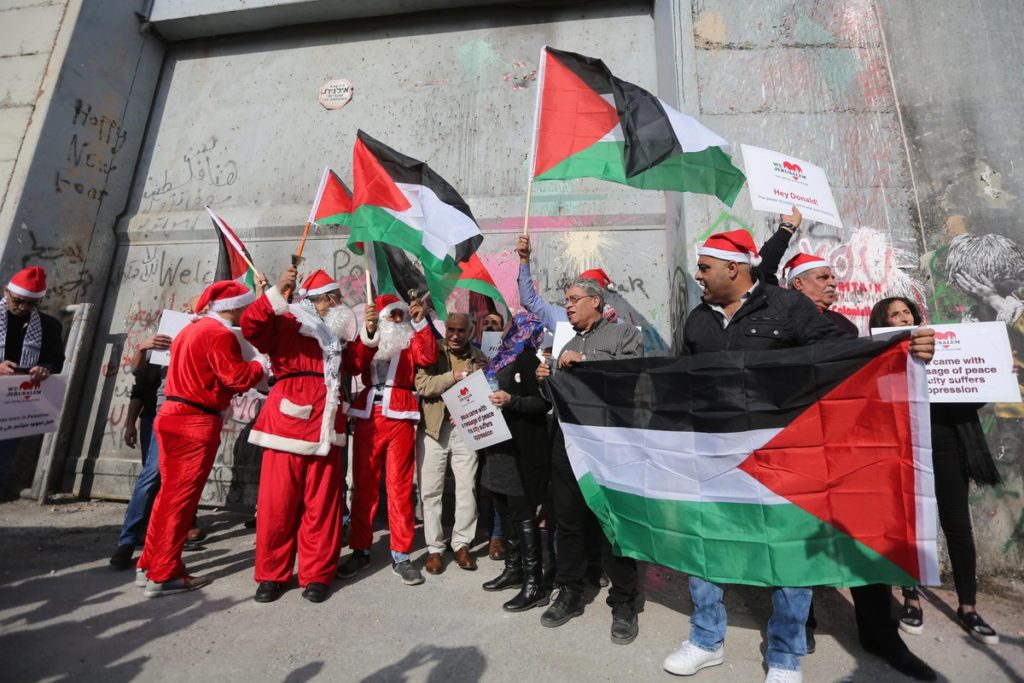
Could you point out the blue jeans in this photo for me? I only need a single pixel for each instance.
(136, 517)
(787, 639)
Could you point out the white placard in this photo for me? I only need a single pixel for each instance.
(489, 343)
(27, 408)
(778, 182)
(172, 322)
(563, 333)
(972, 364)
(478, 421)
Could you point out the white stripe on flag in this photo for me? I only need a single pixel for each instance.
(691, 133)
(443, 226)
(924, 474)
(319, 195)
(685, 466)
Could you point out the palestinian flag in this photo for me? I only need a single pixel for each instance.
(476, 278)
(403, 202)
(333, 202)
(591, 124)
(231, 263)
(800, 467)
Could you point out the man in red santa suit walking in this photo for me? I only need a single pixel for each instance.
(302, 431)
(386, 413)
(205, 371)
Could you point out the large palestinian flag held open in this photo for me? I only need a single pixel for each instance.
(591, 124)
(801, 467)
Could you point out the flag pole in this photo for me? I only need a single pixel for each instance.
(533, 144)
(366, 269)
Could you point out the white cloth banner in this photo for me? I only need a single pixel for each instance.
(26, 408)
(972, 364)
(778, 182)
(478, 421)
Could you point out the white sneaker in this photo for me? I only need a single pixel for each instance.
(689, 659)
(140, 577)
(783, 676)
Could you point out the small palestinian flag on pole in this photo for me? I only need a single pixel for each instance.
(808, 466)
(234, 262)
(590, 124)
(333, 202)
(476, 278)
(402, 202)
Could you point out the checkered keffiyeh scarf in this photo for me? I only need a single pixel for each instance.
(33, 337)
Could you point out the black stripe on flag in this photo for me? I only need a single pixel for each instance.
(590, 70)
(735, 391)
(649, 138)
(404, 169)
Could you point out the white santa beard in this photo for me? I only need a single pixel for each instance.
(341, 322)
(394, 338)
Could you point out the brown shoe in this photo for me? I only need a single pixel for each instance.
(496, 549)
(464, 559)
(195, 534)
(435, 563)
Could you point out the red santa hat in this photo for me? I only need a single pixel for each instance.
(226, 295)
(735, 245)
(599, 275)
(29, 283)
(801, 263)
(386, 303)
(318, 283)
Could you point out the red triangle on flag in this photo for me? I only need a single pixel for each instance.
(474, 269)
(332, 198)
(572, 116)
(374, 185)
(867, 447)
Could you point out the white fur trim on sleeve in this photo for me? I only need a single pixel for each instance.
(368, 341)
(417, 326)
(277, 300)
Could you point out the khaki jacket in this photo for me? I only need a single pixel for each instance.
(434, 380)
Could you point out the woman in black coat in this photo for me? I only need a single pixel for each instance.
(516, 472)
(959, 454)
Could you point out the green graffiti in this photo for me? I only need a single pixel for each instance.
(725, 221)
(1016, 536)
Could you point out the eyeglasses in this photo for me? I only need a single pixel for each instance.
(576, 299)
(18, 302)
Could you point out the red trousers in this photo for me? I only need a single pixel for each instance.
(188, 442)
(376, 439)
(299, 509)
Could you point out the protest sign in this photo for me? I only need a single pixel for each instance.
(778, 182)
(478, 421)
(172, 322)
(972, 364)
(26, 408)
(489, 343)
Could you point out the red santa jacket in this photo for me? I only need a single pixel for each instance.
(207, 367)
(398, 400)
(295, 417)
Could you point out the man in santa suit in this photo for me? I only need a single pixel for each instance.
(302, 431)
(386, 413)
(205, 371)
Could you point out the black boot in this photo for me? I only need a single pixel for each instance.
(533, 593)
(512, 575)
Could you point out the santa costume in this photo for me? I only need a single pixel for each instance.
(302, 431)
(386, 413)
(205, 371)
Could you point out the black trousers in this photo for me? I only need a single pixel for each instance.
(579, 534)
(872, 605)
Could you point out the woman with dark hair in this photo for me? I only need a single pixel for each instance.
(517, 472)
(959, 454)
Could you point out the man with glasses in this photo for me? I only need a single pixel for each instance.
(30, 343)
(302, 431)
(596, 339)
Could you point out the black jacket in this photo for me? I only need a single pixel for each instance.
(51, 350)
(770, 318)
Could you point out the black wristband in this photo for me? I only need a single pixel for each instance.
(783, 224)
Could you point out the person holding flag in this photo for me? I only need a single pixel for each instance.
(205, 372)
(302, 431)
(734, 296)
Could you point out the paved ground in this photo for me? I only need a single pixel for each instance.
(66, 615)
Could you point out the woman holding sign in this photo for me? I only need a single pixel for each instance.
(959, 453)
(516, 472)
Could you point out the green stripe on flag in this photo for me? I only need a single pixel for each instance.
(709, 171)
(737, 542)
(375, 224)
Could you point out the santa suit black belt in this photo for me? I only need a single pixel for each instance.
(293, 375)
(378, 397)
(198, 406)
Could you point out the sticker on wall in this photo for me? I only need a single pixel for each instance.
(335, 93)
